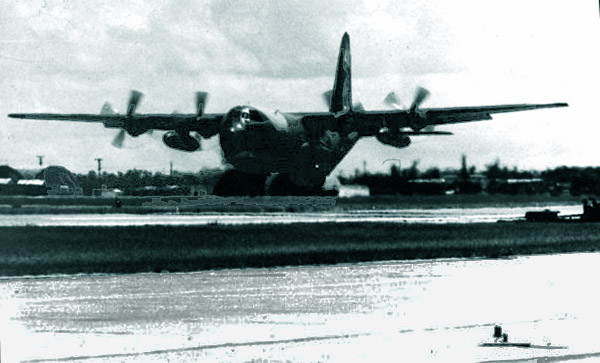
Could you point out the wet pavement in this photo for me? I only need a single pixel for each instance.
(449, 215)
(438, 310)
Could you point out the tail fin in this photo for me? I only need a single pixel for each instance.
(341, 97)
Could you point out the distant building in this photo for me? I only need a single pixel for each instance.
(12, 183)
(517, 186)
(6, 172)
(53, 180)
(107, 193)
(198, 190)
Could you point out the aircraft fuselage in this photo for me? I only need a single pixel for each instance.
(258, 141)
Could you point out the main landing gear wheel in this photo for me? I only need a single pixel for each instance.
(282, 185)
(237, 183)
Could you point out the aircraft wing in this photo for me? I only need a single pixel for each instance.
(418, 119)
(206, 125)
(440, 116)
(135, 124)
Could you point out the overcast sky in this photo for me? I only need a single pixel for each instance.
(71, 56)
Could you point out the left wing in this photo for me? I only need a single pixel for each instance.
(440, 116)
(418, 119)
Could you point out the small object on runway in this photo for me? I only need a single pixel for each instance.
(499, 335)
(504, 343)
(497, 332)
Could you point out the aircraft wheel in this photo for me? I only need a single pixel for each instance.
(282, 185)
(237, 183)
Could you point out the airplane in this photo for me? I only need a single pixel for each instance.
(300, 149)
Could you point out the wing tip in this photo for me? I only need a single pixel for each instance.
(558, 104)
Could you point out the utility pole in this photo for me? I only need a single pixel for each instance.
(171, 169)
(99, 160)
(41, 159)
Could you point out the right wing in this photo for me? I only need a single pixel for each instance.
(206, 125)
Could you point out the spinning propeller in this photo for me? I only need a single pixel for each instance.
(414, 115)
(201, 98)
(135, 128)
(134, 100)
(356, 106)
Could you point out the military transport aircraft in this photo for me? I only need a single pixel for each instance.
(299, 148)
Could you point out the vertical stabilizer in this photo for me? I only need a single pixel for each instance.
(341, 97)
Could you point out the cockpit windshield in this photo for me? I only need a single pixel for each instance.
(251, 115)
(242, 116)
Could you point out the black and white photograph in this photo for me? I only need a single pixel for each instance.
(299, 181)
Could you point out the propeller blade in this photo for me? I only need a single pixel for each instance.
(134, 100)
(201, 99)
(118, 140)
(327, 98)
(107, 109)
(421, 95)
(392, 100)
(358, 106)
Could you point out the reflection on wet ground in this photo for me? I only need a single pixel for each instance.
(437, 310)
(450, 215)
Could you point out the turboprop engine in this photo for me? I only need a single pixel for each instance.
(183, 142)
(396, 139)
(182, 138)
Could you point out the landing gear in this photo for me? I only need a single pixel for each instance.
(237, 183)
(282, 185)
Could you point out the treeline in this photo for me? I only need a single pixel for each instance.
(494, 179)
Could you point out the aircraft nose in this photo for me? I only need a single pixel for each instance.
(231, 134)
(230, 140)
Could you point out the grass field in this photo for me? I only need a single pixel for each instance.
(68, 250)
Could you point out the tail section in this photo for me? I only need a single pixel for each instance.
(341, 97)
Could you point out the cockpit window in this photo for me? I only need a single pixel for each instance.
(245, 116)
(250, 115)
(256, 116)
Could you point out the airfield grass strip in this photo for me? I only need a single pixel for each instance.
(32, 250)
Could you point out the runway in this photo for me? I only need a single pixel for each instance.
(446, 215)
(437, 311)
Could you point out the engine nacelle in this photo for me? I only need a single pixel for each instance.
(181, 142)
(399, 140)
